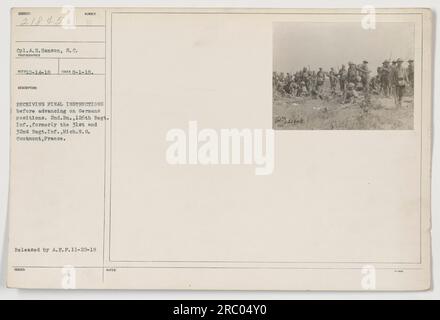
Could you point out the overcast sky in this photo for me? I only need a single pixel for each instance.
(299, 44)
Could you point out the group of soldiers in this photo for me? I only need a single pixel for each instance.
(391, 79)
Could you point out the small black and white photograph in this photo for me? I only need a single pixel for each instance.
(342, 76)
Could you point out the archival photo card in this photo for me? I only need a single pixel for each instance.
(220, 149)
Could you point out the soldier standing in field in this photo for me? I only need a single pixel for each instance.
(411, 72)
(364, 73)
(401, 78)
(320, 78)
(297, 78)
(307, 78)
(289, 84)
(393, 80)
(312, 83)
(342, 74)
(332, 76)
(375, 84)
(274, 81)
(352, 73)
(385, 78)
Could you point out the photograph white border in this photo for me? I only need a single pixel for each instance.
(6, 293)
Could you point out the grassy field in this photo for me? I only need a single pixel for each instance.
(295, 113)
